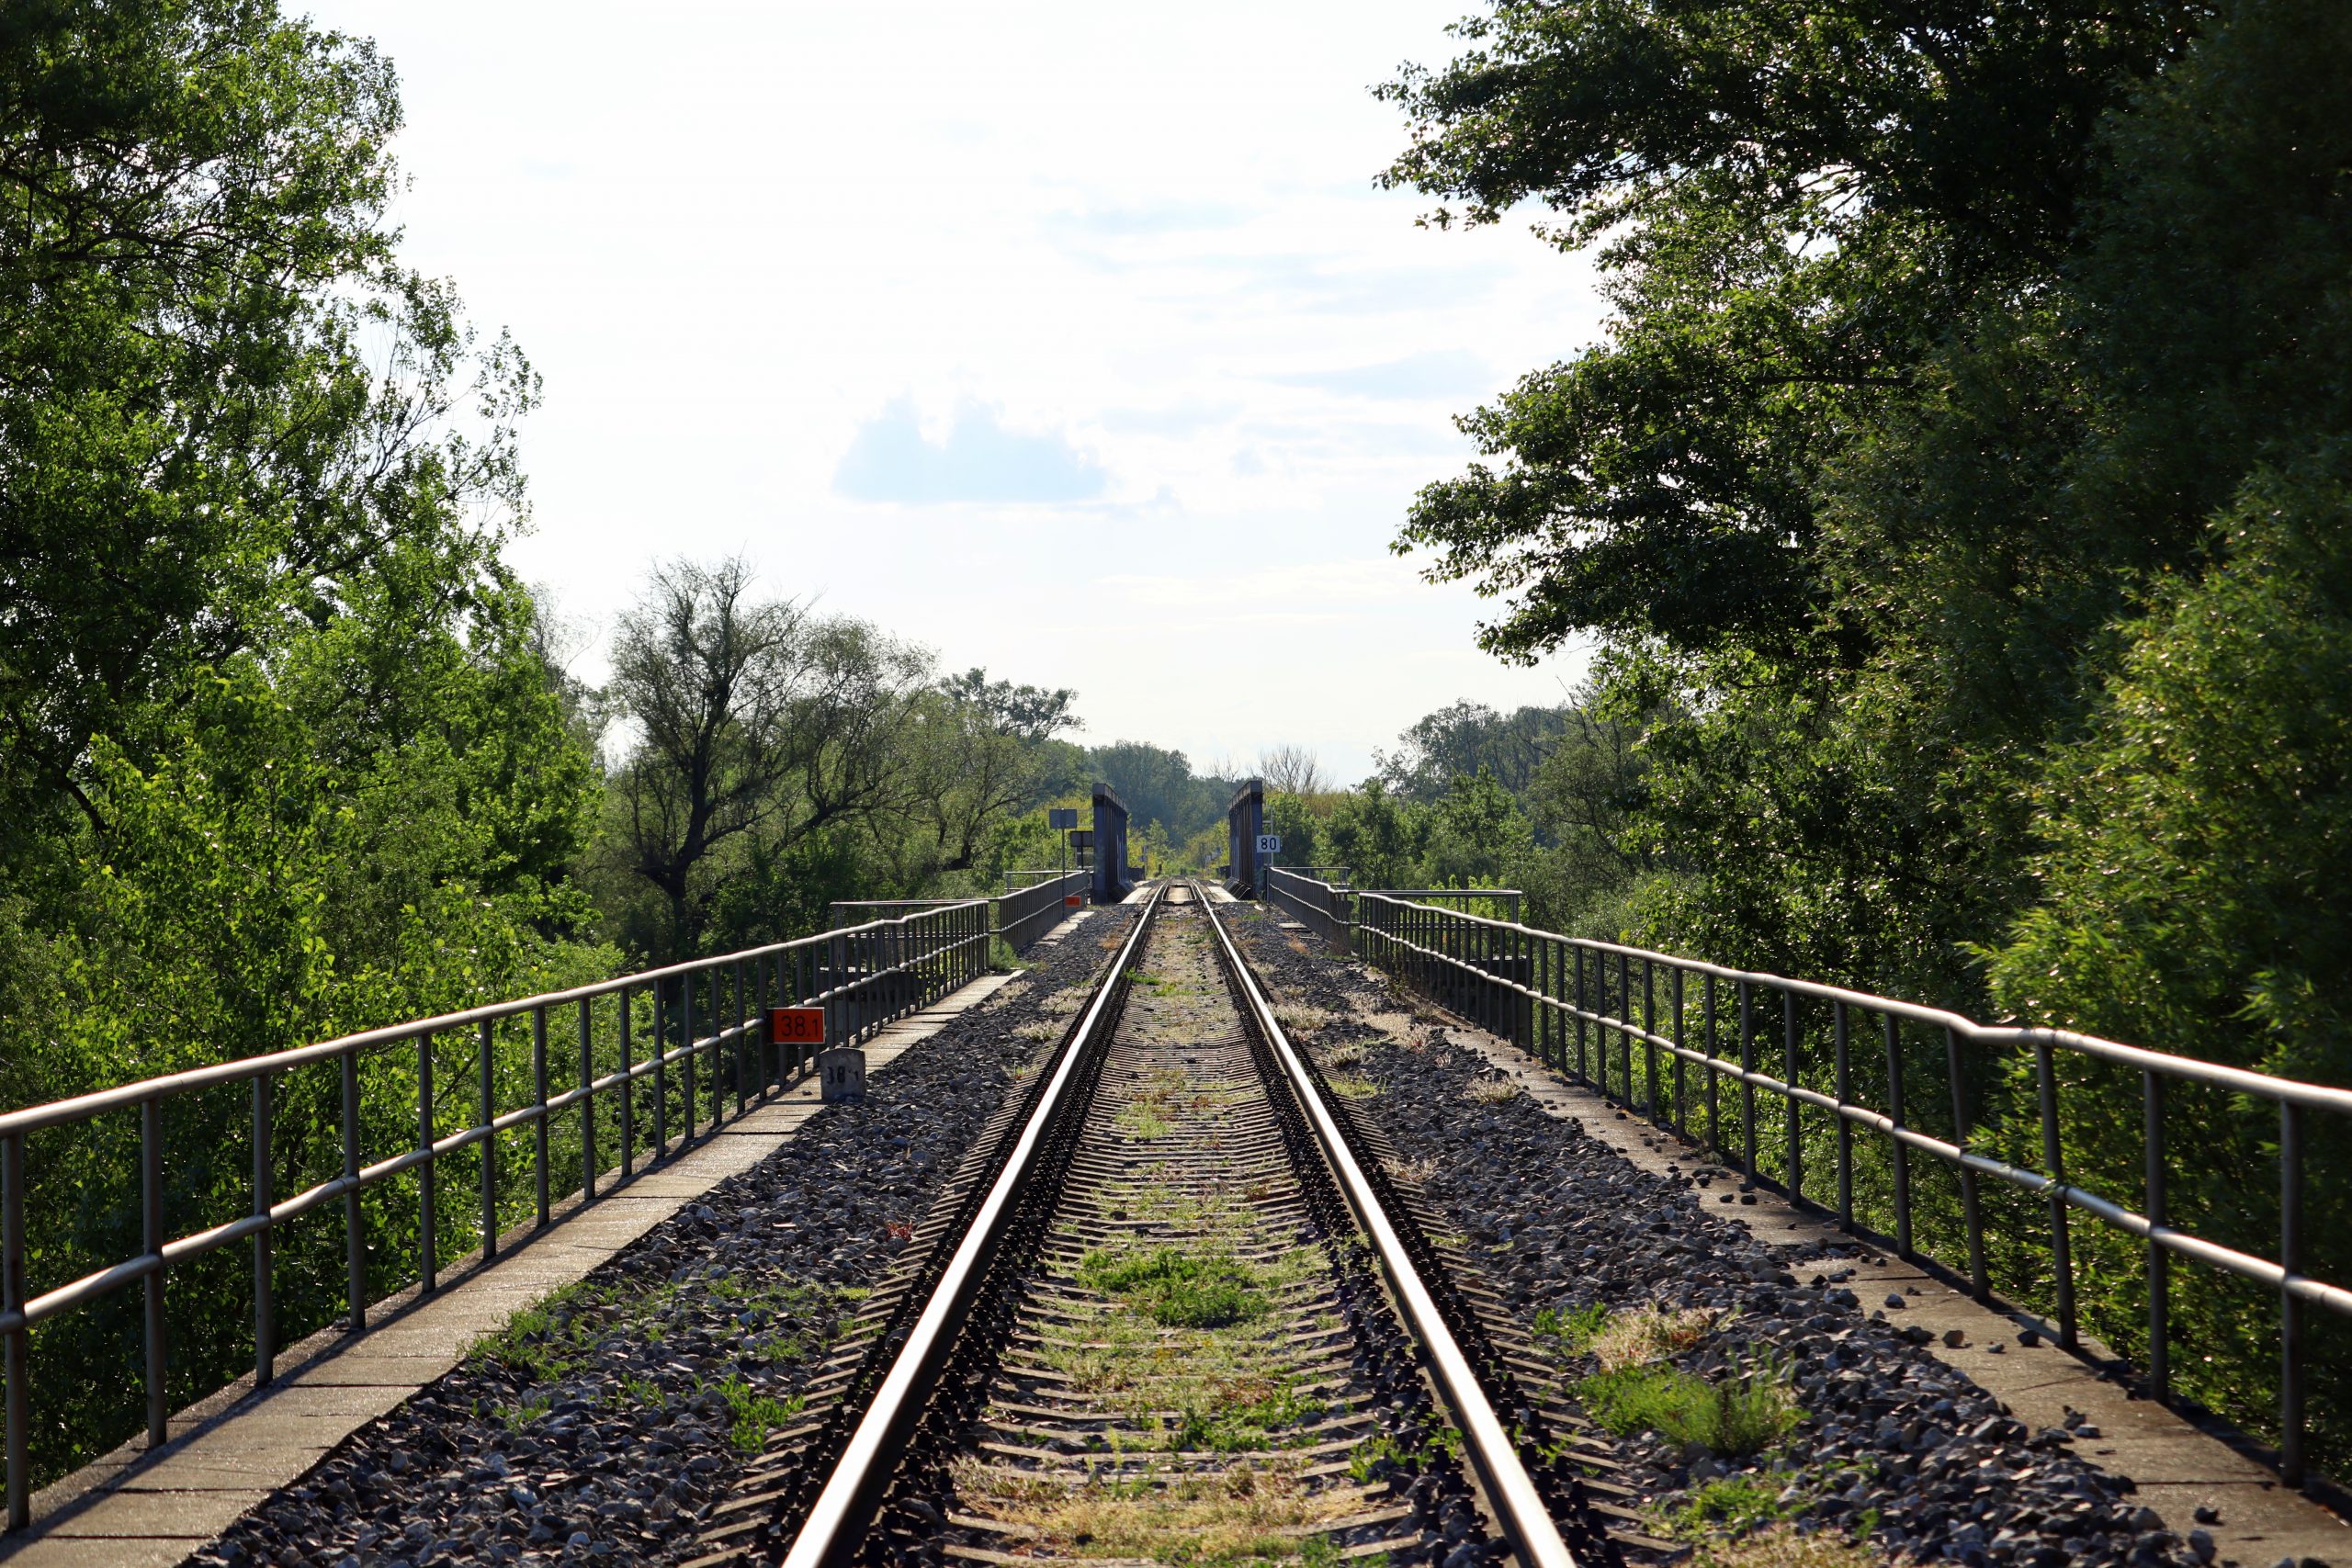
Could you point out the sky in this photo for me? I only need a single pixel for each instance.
(1071, 341)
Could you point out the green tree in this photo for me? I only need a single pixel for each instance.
(1465, 736)
(1793, 205)
(279, 754)
(1377, 837)
(219, 393)
(1159, 786)
(759, 723)
(1476, 835)
(991, 754)
(1959, 492)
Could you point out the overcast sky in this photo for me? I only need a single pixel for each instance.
(1069, 340)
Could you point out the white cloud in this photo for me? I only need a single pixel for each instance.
(977, 459)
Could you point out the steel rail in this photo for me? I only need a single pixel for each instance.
(837, 1521)
(1525, 1521)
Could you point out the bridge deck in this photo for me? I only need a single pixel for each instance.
(229, 1453)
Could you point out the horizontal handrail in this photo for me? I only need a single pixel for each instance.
(1027, 913)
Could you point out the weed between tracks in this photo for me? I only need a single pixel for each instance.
(1171, 1091)
(1204, 1424)
(1177, 1289)
(1259, 1513)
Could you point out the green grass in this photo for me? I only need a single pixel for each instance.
(555, 1337)
(560, 1337)
(1739, 1414)
(1236, 1423)
(1730, 1505)
(1437, 1439)
(1176, 1289)
(518, 1417)
(1141, 1119)
(755, 1415)
(1572, 1334)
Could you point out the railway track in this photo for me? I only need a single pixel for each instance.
(1171, 1308)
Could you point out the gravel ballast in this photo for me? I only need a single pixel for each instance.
(602, 1427)
(1890, 1447)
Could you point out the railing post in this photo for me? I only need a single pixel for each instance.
(2152, 1106)
(264, 1305)
(743, 1055)
(1681, 1079)
(2053, 1162)
(629, 1083)
(716, 1061)
(834, 1010)
(588, 1092)
(1649, 1036)
(660, 1069)
(1522, 980)
(2291, 1305)
(354, 1233)
(1793, 1124)
(1547, 1016)
(687, 1055)
(1714, 1078)
(151, 1226)
(768, 976)
(428, 1232)
(1845, 1128)
(1746, 1088)
(540, 1090)
(1902, 1149)
(488, 1145)
(1581, 1074)
(1980, 1283)
(1625, 1016)
(12, 1350)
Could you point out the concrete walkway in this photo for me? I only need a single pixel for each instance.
(228, 1453)
(2177, 1468)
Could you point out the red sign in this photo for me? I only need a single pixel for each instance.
(796, 1026)
(1072, 900)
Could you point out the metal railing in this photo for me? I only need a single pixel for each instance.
(1329, 908)
(1027, 913)
(706, 1015)
(1326, 908)
(1573, 1001)
(1507, 898)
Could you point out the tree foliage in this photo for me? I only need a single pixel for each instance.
(1958, 496)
